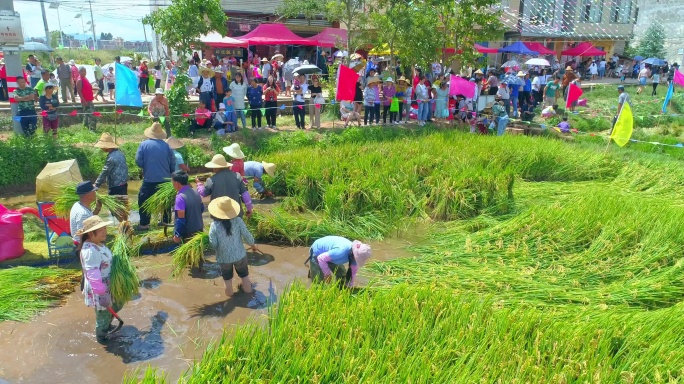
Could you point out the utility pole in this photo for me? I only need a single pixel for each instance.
(55, 5)
(12, 65)
(45, 24)
(149, 49)
(92, 25)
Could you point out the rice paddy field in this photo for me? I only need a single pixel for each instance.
(535, 260)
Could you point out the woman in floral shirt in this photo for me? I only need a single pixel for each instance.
(96, 261)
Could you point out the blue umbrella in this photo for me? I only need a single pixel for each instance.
(638, 58)
(654, 61)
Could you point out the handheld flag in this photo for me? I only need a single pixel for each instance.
(127, 92)
(346, 83)
(668, 97)
(678, 78)
(458, 86)
(574, 93)
(622, 131)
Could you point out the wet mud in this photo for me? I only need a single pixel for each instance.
(167, 326)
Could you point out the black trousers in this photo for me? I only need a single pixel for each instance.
(146, 191)
(271, 112)
(370, 113)
(299, 113)
(385, 112)
(195, 125)
(100, 84)
(655, 85)
(120, 190)
(144, 85)
(256, 115)
(28, 122)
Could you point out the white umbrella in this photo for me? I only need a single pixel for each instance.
(510, 63)
(341, 54)
(537, 61)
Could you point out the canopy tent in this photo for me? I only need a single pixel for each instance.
(274, 34)
(583, 49)
(483, 49)
(215, 40)
(519, 48)
(539, 47)
(331, 37)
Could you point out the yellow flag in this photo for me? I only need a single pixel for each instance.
(624, 126)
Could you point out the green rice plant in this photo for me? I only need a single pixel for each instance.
(282, 227)
(424, 334)
(190, 253)
(25, 291)
(594, 246)
(151, 375)
(124, 282)
(161, 201)
(67, 197)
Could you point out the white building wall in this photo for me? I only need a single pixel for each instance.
(669, 13)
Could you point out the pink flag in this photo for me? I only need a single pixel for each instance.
(574, 93)
(458, 86)
(678, 78)
(346, 83)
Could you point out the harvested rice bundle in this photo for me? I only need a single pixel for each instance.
(161, 201)
(190, 253)
(67, 197)
(124, 281)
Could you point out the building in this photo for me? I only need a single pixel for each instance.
(669, 13)
(561, 24)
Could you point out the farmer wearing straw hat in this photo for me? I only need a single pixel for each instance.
(115, 170)
(188, 209)
(328, 255)
(225, 182)
(159, 108)
(156, 160)
(175, 143)
(568, 78)
(96, 261)
(226, 235)
(256, 170)
(205, 87)
(236, 158)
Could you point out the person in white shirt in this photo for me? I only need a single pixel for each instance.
(504, 94)
(265, 69)
(593, 70)
(602, 68)
(536, 90)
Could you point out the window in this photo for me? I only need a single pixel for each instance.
(592, 11)
(621, 12)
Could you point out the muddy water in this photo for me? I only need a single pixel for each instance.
(168, 326)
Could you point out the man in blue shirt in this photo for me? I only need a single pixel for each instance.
(255, 170)
(157, 161)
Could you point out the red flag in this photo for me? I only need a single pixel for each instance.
(678, 78)
(73, 113)
(98, 114)
(119, 111)
(186, 115)
(44, 113)
(574, 93)
(318, 106)
(346, 83)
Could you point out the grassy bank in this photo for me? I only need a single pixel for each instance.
(25, 291)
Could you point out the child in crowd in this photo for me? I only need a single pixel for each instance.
(564, 125)
(202, 118)
(549, 112)
(220, 122)
(226, 234)
(231, 116)
(110, 82)
(49, 103)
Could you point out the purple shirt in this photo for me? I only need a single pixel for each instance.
(564, 126)
(180, 201)
(377, 95)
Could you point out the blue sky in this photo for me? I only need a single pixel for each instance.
(115, 18)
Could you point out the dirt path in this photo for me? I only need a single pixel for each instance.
(168, 326)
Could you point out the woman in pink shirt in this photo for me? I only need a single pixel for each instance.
(388, 92)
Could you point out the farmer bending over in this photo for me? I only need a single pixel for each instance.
(256, 170)
(328, 255)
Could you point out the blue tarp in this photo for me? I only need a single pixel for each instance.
(519, 48)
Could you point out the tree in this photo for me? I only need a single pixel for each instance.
(309, 9)
(106, 36)
(461, 23)
(55, 38)
(652, 43)
(353, 15)
(181, 24)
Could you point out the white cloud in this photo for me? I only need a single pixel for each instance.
(130, 30)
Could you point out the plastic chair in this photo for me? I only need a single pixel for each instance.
(57, 231)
